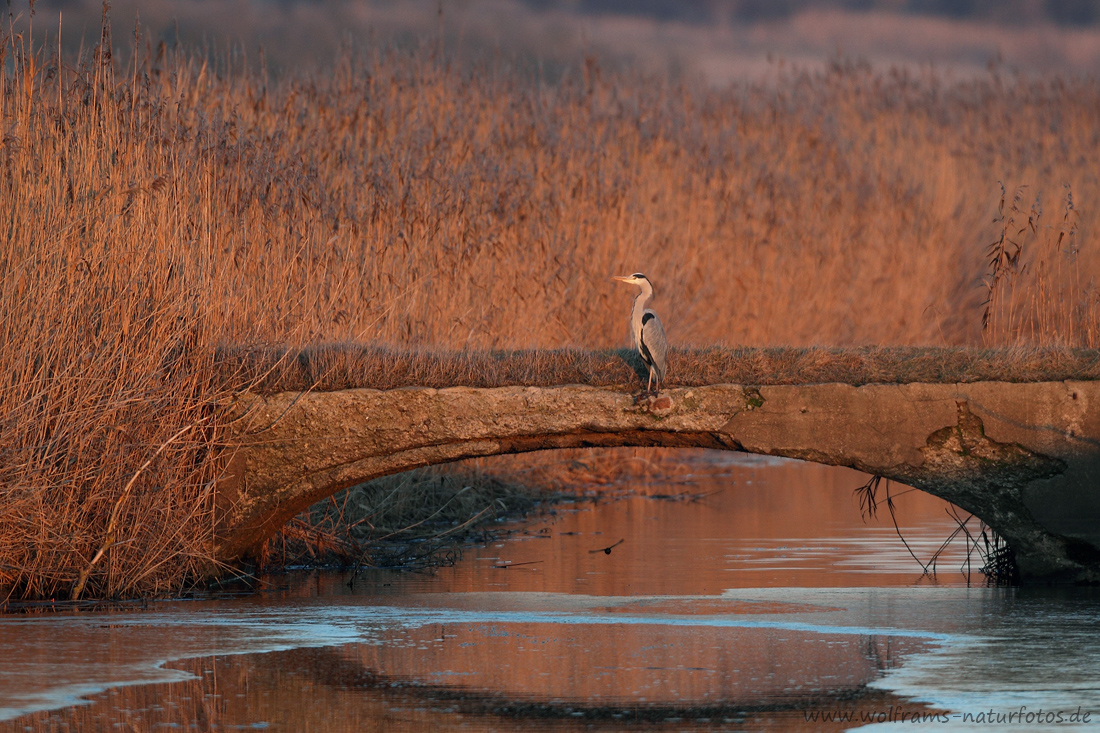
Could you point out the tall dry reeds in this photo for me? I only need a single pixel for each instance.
(1037, 290)
(152, 210)
(107, 429)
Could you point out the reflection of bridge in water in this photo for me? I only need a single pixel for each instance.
(1024, 457)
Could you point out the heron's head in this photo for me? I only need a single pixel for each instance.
(636, 279)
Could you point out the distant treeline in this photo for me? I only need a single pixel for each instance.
(1063, 12)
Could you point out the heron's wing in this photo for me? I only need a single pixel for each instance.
(654, 341)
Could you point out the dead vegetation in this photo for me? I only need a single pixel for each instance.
(165, 223)
(348, 366)
(986, 551)
(421, 518)
(413, 520)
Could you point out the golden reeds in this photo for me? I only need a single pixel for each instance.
(154, 210)
(1038, 291)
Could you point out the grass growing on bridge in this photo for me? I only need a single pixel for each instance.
(336, 367)
(157, 208)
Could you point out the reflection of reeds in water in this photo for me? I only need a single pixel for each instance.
(338, 689)
(154, 210)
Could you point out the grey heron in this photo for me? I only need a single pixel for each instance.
(649, 334)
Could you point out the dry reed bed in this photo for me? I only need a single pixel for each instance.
(152, 210)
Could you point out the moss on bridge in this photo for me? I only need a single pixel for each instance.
(334, 367)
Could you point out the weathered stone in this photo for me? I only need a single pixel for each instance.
(1023, 457)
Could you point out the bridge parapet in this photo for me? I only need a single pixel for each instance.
(1022, 456)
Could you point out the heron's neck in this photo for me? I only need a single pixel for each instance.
(641, 300)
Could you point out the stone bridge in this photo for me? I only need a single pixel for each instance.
(1024, 457)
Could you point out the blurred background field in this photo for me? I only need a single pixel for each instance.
(262, 173)
(722, 41)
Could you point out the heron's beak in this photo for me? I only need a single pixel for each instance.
(622, 278)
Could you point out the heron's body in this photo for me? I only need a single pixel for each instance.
(648, 333)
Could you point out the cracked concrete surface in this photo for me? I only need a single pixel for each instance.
(1023, 457)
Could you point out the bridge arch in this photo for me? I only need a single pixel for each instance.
(1022, 457)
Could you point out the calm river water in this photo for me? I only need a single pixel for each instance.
(765, 604)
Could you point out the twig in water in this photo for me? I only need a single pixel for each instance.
(960, 527)
(868, 505)
(894, 519)
(505, 566)
(607, 550)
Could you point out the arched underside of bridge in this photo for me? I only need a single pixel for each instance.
(1025, 458)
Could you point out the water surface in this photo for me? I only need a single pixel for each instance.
(738, 593)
